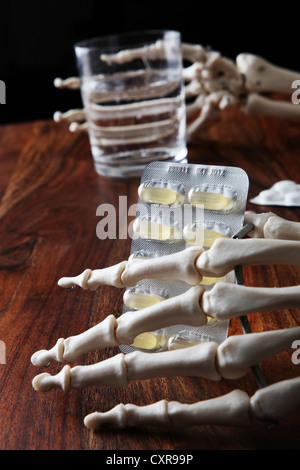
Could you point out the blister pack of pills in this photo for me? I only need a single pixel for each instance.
(182, 205)
(283, 193)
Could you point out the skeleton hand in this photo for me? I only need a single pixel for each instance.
(230, 360)
(215, 81)
(218, 83)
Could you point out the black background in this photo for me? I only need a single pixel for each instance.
(37, 37)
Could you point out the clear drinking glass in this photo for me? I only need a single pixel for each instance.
(132, 91)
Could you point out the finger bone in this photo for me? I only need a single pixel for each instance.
(277, 400)
(71, 82)
(231, 409)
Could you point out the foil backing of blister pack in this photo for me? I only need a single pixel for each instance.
(182, 195)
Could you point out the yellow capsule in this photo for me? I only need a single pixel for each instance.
(158, 195)
(212, 198)
(148, 341)
(209, 201)
(155, 231)
(138, 300)
(208, 281)
(201, 237)
(210, 236)
(160, 192)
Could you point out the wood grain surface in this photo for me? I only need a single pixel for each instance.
(49, 195)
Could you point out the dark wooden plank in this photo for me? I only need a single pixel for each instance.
(50, 194)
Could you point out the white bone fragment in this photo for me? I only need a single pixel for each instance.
(276, 401)
(262, 76)
(260, 105)
(238, 353)
(71, 115)
(71, 82)
(270, 225)
(231, 409)
(226, 300)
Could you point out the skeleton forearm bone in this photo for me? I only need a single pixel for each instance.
(233, 409)
(261, 76)
(260, 105)
(270, 225)
(231, 360)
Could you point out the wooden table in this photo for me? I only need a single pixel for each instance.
(49, 194)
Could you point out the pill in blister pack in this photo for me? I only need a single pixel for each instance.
(157, 228)
(161, 192)
(143, 296)
(205, 233)
(213, 197)
(186, 339)
(142, 255)
(182, 206)
(150, 341)
(283, 193)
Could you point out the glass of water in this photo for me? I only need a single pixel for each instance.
(133, 95)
